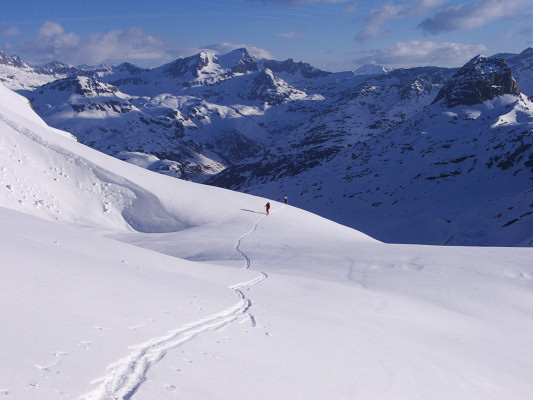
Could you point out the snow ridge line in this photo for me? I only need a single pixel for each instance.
(124, 377)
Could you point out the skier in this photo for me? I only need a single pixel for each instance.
(285, 198)
(267, 206)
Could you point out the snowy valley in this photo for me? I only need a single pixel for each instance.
(122, 283)
(423, 155)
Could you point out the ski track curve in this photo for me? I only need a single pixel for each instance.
(238, 244)
(123, 378)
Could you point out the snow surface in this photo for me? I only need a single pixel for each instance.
(120, 283)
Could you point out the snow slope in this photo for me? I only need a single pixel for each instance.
(120, 283)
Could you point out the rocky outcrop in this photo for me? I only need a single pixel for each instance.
(82, 86)
(272, 90)
(14, 61)
(244, 63)
(291, 67)
(192, 65)
(479, 80)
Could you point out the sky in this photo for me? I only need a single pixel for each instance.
(333, 35)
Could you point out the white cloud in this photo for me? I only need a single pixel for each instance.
(13, 31)
(379, 17)
(289, 35)
(349, 11)
(50, 29)
(475, 15)
(421, 53)
(134, 44)
(8, 46)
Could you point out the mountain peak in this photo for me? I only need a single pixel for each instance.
(238, 61)
(270, 89)
(189, 65)
(372, 69)
(56, 68)
(130, 68)
(479, 80)
(13, 61)
(527, 52)
(291, 67)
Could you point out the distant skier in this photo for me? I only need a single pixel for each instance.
(285, 198)
(267, 206)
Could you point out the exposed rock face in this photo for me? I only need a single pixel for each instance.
(270, 89)
(291, 67)
(192, 65)
(14, 61)
(479, 80)
(130, 69)
(56, 68)
(82, 86)
(246, 63)
(522, 67)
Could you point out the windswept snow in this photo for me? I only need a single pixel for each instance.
(120, 283)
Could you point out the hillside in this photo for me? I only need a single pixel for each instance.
(118, 282)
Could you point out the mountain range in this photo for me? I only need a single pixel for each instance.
(424, 155)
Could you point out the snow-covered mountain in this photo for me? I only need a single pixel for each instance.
(17, 75)
(282, 127)
(456, 171)
(120, 283)
(372, 69)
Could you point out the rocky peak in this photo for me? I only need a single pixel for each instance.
(129, 68)
(291, 67)
(479, 80)
(268, 88)
(14, 61)
(56, 68)
(238, 61)
(266, 79)
(372, 69)
(193, 65)
(527, 52)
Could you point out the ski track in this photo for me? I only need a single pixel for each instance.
(124, 377)
(238, 244)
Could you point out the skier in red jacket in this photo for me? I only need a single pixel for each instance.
(267, 206)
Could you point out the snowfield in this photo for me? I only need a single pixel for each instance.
(121, 283)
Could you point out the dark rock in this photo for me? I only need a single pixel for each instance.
(479, 80)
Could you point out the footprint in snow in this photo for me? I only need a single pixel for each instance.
(526, 275)
(101, 328)
(85, 345)
(59, 355)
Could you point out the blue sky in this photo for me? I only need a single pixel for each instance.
(334, 35)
